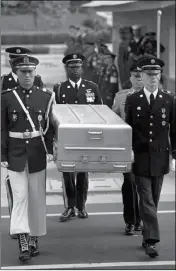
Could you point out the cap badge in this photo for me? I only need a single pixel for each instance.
(26, 60)
(152, 61)
(18, 51)
(74, 56)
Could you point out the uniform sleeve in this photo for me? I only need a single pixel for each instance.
(173, 128)
(114, 85)
(4, 129)
(98, 98)
(116, 105)
(49, 136)
(56, 90)
(128, 111)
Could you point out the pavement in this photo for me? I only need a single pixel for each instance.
(98, 242)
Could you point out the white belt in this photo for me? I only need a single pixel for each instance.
(24, 135)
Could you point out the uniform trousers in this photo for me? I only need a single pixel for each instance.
(149, 189)
(130, 199)
(29, 202)
(75, 194)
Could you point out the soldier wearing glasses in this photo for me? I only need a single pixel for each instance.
(151, 114)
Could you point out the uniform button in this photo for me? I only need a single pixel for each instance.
(151, 117)
(27, 142)
(27, 130)
(151, 124)
(30, 91)
(76, 102)
(27, 96)
(26, 118)
(150, 140)
(150, 132)
(27, 107)
(23, 91)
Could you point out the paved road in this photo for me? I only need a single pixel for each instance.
(98, 242)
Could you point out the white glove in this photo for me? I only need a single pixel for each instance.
(132, 156)
(173, 164)
(49, 158)
(4, 164)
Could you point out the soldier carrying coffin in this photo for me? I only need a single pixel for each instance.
(26, 138)
(75, 90)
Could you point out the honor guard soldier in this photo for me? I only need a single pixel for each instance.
(10, 81)
(109, 85)
(129, 194)
(151, 114)
(75, 90)
(26, 138)
(90, 62)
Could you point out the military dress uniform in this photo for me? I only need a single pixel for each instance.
(109, 85)
(89, 67)
(10, 81)
(84, 92)
(129, 193)
(152, 119)
(23, 148)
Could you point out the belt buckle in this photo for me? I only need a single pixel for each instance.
(27, 135)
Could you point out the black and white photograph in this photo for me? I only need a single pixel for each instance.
(88, 135)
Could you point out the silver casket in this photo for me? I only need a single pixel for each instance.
(91, 138)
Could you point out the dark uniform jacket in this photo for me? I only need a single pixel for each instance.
(109, 85)
(150, 138)
(89, 68)
(18, 151)
(8, 82)
(88, 93)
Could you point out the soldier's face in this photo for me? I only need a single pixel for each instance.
(136, 80)
(74, 72)
(151, 79)
(26, 77)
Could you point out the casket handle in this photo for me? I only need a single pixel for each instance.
(67, 167)
(95, 133)
(120, 167)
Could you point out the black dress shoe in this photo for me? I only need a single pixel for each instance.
(129, 229)
(33, 245)
(67, 214)
(25, 254)
(144, 244)
(151, 250)
(82, 214)
(14, 236)
(137, 227)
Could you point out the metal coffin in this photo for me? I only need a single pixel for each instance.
(91, 138)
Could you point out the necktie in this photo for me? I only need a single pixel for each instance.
(151, 100)
(76, 87)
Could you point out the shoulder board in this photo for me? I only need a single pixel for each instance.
(45, 90)
(7, 90)
(124, 91)
(167, 92)
(131, 93)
